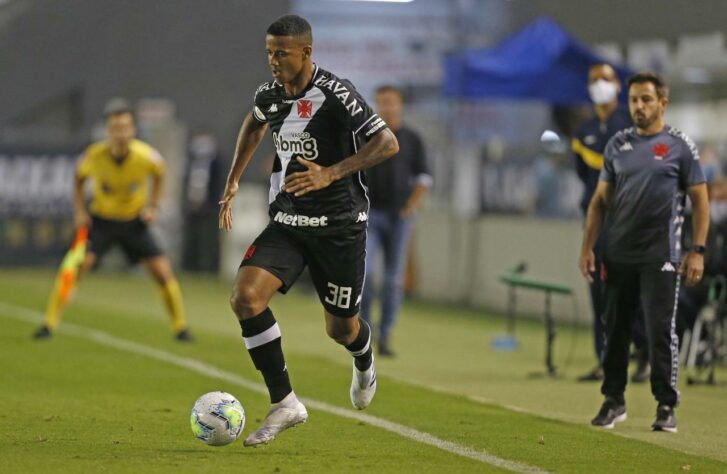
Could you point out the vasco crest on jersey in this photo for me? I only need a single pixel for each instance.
(304, 108)
(660, 150)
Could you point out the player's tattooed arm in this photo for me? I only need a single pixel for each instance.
(383, 145)
(249, 138)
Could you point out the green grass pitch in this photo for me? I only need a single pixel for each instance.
(73, 404)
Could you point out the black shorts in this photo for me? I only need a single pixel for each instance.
(133, 236)
(337, 263)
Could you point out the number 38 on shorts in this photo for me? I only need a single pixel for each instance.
(336, 263)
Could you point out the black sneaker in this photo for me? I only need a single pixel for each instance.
(184, 336)
(665, 419)
(611, 412)
(643, 372)
(595, 375)
(42, 333)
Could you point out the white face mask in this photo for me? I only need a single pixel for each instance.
(603, 91)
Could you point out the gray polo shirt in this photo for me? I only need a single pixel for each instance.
(650, 176)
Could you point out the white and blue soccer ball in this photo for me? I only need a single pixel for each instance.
(217, 418)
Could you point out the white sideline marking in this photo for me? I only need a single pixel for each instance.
(30, 316)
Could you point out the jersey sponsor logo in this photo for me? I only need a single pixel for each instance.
(297, 220)
(660, 150)
(305, 108)
(299, 144)
(362, 217)
(668, 267)
(342, 92)
(589, 139)
(626, 147)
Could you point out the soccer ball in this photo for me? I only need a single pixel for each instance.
(217, 418)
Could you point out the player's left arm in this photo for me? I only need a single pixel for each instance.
(381, 146)
(693, 264)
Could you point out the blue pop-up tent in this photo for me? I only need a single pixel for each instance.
(540, 62)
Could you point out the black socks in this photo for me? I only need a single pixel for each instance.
(360, 348)
(262, 340)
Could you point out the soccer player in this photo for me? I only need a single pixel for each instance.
(396, 187)
(120, 212)
(647, 172)
(318, 213)
(588, 147)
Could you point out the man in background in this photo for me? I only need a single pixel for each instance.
(396, 188)
(203, 185)
(588, 148)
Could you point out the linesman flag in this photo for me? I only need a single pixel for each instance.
(66, 278)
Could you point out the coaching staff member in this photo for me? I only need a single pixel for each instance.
(647, 171)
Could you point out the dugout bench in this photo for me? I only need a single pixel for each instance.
(515, 278)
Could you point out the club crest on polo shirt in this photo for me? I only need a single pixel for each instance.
(660, 150)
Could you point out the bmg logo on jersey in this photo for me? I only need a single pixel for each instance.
(299, 143)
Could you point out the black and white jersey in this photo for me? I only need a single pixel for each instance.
(326, 123)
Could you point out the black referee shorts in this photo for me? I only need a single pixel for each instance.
(132, 236)
(336, 263)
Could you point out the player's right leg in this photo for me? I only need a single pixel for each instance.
(252, 291)
(271, 264)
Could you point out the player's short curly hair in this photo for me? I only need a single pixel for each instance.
(292, 25)
(662, 90)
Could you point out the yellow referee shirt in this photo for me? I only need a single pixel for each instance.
(120, 188)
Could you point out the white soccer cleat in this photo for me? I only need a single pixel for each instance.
(286, 414)
(363, 386)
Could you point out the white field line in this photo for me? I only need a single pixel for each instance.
(30, 316)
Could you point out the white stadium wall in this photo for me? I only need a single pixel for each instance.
(459, 260)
